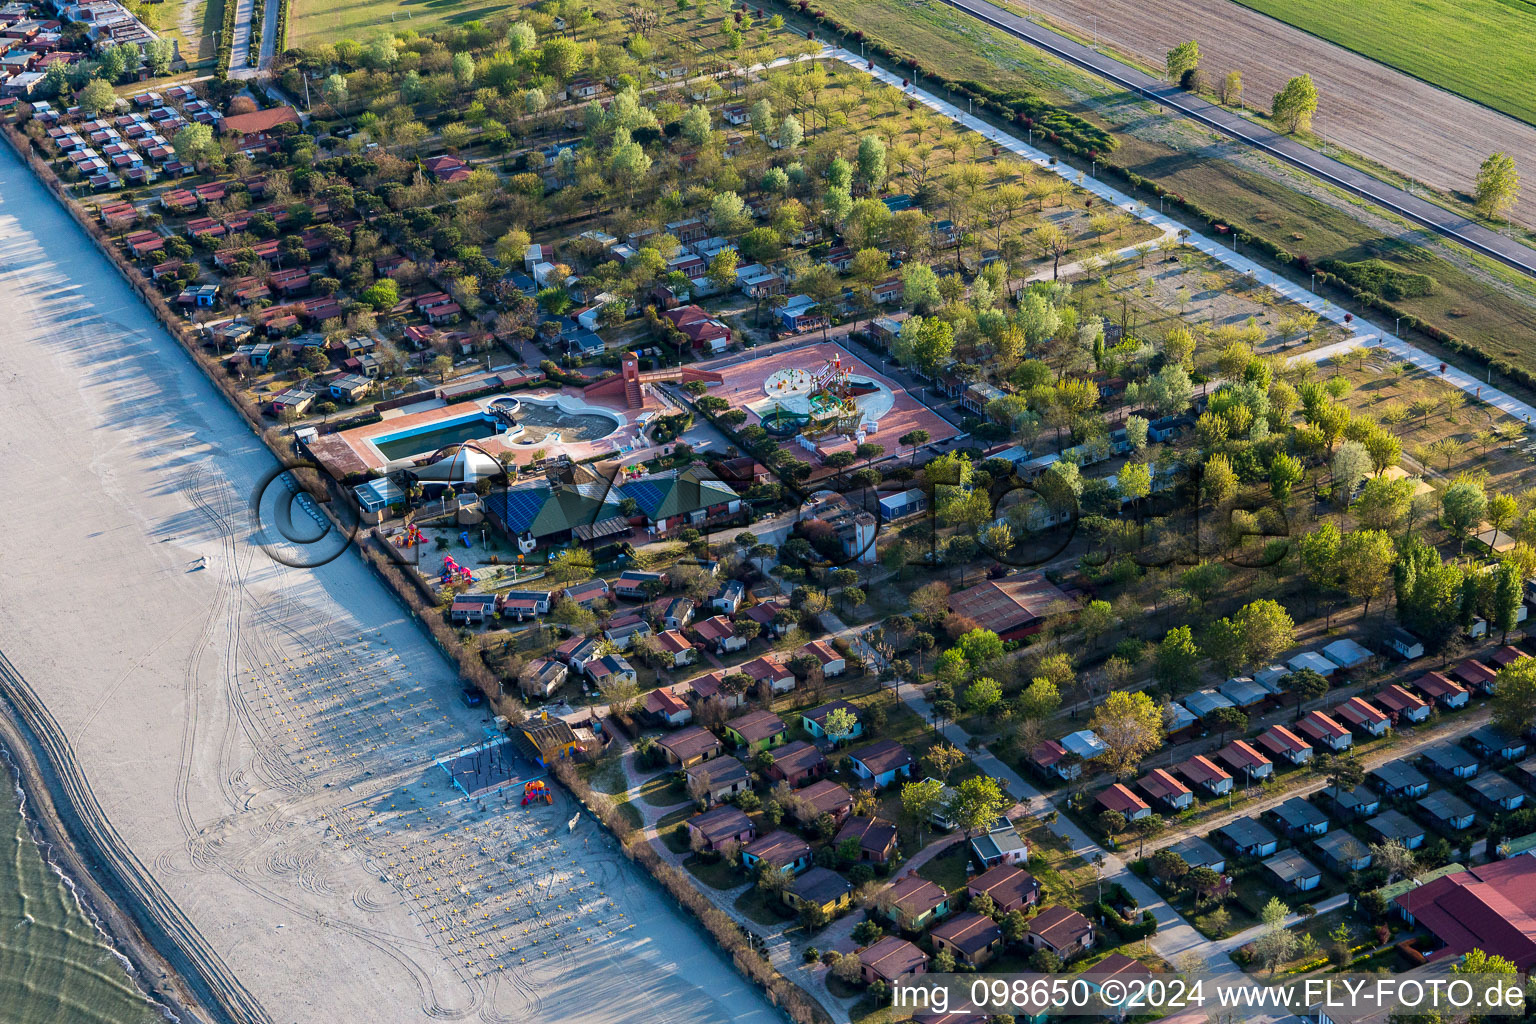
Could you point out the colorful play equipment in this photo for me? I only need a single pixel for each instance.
(465, 538)
(453, 572)
(828, 394)
(535, 791)
(410, 538)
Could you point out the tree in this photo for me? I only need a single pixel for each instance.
(1147, 828)
(1226, 720)
(1284, 473)
(978, 803)
(871, 163)
(1504, 603)
(1498, 185)
(920, 800)
(1396, 858)
(1275, 945)
(195, 144)
(1039, 700)
(920, 288)
(1294, 105)
(983, 695)
(1514, 696)
(1169, 866)
(1365, 565)
(1428, 593)
(1052, 243)
(722, 269)
(1181, 59)
(943, 759)
(1131, 726)
(1475, 961)
(790, 132)
(1232, 89)
(97, 96)
(561, 58)
(1303, 685)
(1177, 663)
(1462, 507)
(1265, 629)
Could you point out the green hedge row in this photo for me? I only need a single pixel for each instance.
(226, 40)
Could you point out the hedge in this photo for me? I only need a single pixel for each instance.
(226, 40)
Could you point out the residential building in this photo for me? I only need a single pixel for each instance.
(690, 746)
(1323, 731)
(1245, 762)
(970, 937)
(1294, 871)
(1299, 817)
(882, 763)
(1442, 690)
(891, 959)
(1198, 853)
(877, 838)
(1448, 811)
(1402, 705)
(717, 826)
(777, 849)
(1000, 845)
(1249, 838)
(1492, 742)
(720, 779)
(1404, 644)
(1393, 824)
(1285, 744)
(814, 721)
(667, 708)
(719, 633)
(1358, 714)
(1011, 888)
(1061, 930)
(756, 730)
(797, 763)
(819, 887)
(1119, 797)
(1448, 759)
(1399, 778)
(822, 797)
(1497, 792)
(1201, 771)
(1360, 802)
(1015, 606)
(1161, 785)
(912, 903)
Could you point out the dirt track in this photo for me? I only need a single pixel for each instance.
(1392, 118)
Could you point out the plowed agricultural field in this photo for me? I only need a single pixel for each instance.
(1392, 118)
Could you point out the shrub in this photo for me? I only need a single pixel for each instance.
(1381, 278)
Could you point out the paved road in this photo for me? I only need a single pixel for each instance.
(1474, 236)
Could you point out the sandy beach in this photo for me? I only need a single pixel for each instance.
(261, 740)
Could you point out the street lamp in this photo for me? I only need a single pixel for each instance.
(1313, 288)
(1397, 332)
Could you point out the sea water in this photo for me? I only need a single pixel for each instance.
(55, 966)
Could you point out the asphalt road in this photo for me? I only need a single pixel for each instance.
(1474, 236)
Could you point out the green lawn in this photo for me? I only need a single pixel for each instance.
(1481, 49)
(717, 874)
(318, 21)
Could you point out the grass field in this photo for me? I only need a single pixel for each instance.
(319, 21)
(192, 24)
(1484, 50)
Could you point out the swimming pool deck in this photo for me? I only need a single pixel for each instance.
(744, 382)
(355, 451)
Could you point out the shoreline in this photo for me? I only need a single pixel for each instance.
(86, 872)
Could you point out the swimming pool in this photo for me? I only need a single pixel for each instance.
(430, 437)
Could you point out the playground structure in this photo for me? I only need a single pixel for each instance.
(815, 404)
(410, 537)
(536, 791)
(453, 572)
